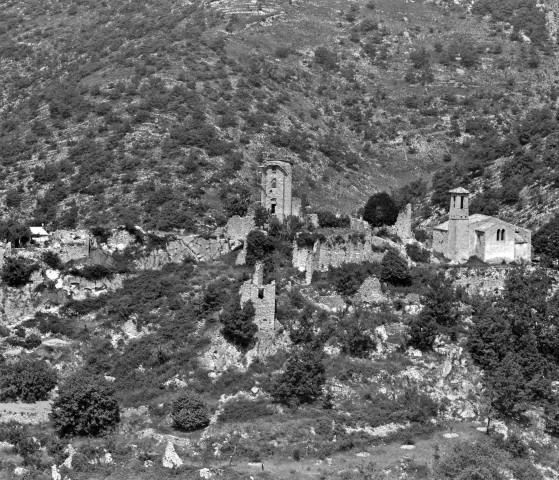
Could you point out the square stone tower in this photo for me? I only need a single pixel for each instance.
(277, 179)
(458, 247)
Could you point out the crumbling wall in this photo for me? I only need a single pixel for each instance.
(71, 244)
(296, 206)
(347, 248)
(402, 227)
(238, 228)
(337, 249)
(120, 239)
(359, 225)
(263, 298)
(371, 291)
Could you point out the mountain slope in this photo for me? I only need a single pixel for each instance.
(157, 113)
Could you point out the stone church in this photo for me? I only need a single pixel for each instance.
(276, 188)
(488, 238)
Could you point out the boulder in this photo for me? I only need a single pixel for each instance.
(170, 458)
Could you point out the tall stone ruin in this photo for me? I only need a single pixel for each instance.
(276, 189)
(263, 298)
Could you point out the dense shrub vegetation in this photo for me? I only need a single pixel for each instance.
(17, 271)
(26, 380)
(511, 341)
(85, 406)
(189, 412)
(238, 322)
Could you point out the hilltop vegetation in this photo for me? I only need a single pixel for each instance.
(156, 113)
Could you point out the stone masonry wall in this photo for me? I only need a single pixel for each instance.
(238, 228)
(338, 249)
(402, 227)
(263, 298)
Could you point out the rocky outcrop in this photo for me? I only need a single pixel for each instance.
(182, 247)
(170, 457)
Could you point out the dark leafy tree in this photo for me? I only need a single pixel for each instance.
(235, 199)
(17, 271)
(261, 216)
(259, 246)
(302, 380)
(189, 412)
(394, 269)
(238, 322)
(354, 339)
(26, 380)
(511, 340)
(380, 210)
(546, 239)
(86, 405)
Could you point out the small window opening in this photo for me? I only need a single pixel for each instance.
(273, 208)
(273, 183)
(503, 234)
(461, 202)
(260, 293)
(454, 201)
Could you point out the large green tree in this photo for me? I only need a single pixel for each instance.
(85, 406)
(238, 322)
(380, 210)
(303, 378)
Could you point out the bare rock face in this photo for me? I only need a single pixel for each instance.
(170, 458)
(187, 246)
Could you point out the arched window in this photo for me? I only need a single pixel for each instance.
(454, 201)
(498, 234)
(503, 234)
(273, 183)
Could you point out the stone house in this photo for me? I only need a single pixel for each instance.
(488, 238)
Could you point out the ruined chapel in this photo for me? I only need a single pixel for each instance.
(488, 238)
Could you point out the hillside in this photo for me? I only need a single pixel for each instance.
(158, 113)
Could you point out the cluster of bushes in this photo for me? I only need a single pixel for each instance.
(438, 316)
(85, 405)
(26, 380)
(347, 278)
(16, 271)
(327, 219)
(511, 341)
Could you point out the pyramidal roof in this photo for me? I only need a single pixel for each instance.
(459, 190)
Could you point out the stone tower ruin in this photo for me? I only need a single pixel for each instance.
(458, 225)
(277, 178)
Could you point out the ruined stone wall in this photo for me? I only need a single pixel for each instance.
(402, 227)
(370, 291)
(71, 244)
(263, 298)
(359, 225)
(336, 251)
(238, 228)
